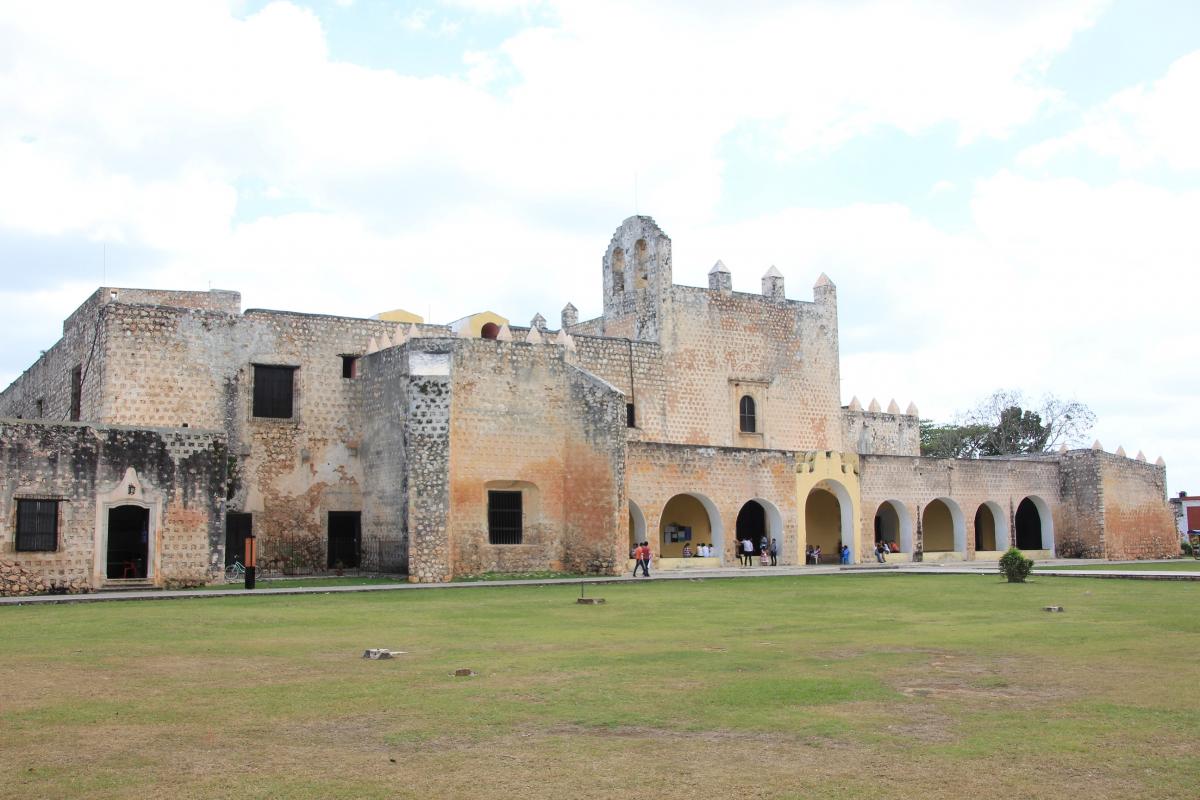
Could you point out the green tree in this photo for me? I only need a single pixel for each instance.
(1002, 424)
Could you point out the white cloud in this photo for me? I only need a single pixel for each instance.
(1157, 123)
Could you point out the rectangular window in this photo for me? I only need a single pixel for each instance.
(37, 525)
(76, 393)
(504, 517)
(630, 416)
(41, 408)
(273, 387)
(349, 366)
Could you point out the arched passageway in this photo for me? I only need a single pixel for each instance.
(985, 529)
(823, 523)
(688, 519)
(893, 525)
(942, 527)
(1034, 525)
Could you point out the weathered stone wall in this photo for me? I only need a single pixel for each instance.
(717, 347)
(725, 477)
(1116, 507)
(880, 433)
(964, 484)
(636, 368)
(180, 475)
(523, 419)
(382, 449)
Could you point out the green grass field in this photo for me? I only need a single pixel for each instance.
(1183, 565)
(848, 686)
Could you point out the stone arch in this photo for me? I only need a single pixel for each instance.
(641, 261)
(893, 523)
(758, 518)
(829, 524)
(490, 330)
(618, 270)
(991, 527)
(694, 510)
(943, 528)
(1034, 524)
(637, 524)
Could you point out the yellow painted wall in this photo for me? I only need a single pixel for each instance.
(938, 526)
(820, 469)
(399, 315)
(472, 326)
(687, 511)
(823, 523)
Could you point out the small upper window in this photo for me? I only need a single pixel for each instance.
(746, 415)
(630, 416)
(37, 525)
(273, 390)
(504, 517)
(349, 366)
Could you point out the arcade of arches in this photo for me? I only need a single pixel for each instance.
(683, 515)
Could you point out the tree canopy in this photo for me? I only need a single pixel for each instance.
(1002, 424)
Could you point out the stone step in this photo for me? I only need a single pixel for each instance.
(127, 584)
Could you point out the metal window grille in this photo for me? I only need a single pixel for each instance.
(273, 388)
(504, 517)
(747, 415)
(37, 525)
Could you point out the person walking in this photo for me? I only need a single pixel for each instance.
(748, 551)
(646, 556)
(639, 555)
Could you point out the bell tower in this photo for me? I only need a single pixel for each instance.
(637, 277)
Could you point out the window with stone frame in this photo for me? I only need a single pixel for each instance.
(505, 517)
(37, 525)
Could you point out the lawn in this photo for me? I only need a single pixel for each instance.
(1182, 565)
(841, 686)
(309, 583)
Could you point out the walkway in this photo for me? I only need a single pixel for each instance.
(1045, 568)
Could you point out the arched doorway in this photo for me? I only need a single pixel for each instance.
(1034, 525)
(985, 529)
(688, 519)
(894, 525)
(490, 330)
(128, 553)
(637, 525)
(827, 521)
(943, 530)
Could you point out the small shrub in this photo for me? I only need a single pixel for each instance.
(1015, 566)
(1186, 547)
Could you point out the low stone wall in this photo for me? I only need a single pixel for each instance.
(16, 581)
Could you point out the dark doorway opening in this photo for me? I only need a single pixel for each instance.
(128, 542)
(490, 330)
(345, 539)
(752, 524)
(238, 527)
(1029, 526)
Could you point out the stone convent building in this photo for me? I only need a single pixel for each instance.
(166, 426)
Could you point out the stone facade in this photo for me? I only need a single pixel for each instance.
(728, 398)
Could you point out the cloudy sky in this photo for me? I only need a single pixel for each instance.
(1007, 194)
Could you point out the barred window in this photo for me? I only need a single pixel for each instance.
(749, 423)
(37, 525)
(504, 517)
(273, 388)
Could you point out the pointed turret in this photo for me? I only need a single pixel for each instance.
(824, 290)
(535, 337)
(912, 409)
(772, 284)
(570, 316)
(372, 346)
(1097, 446)
(413, 331)
(1120, 451)
(1062, 449)
(874, 407)
(1160, 462)
(893, 408)
(1141, 456)
(854, 404)
(720, 278)
(504, 334)
(538, 323)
